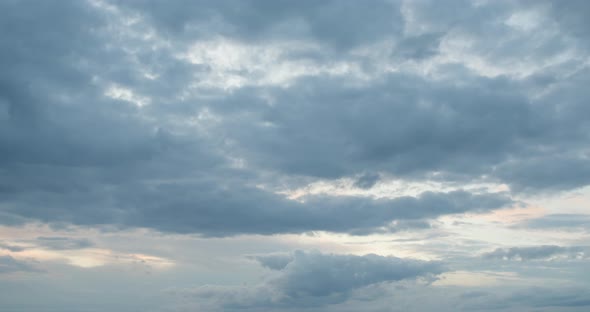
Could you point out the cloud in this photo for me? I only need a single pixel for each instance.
(339, 24)
(315, 274)
(12, 248)
(316, 279)
(367, 180)
(190, 158)
(559, 173)
(564, 298)
(558, 221)
(226, 118)
(544, 252)
(10, 265)
(74, 153)
(276, 261)
(211, 211)
(51, 243)
(63, 243)
(412, 128)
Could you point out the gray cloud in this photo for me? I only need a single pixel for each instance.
(10, 265)
(52, 243)
(340, 24)
(558, 221)
(547, 173)
(64, 243)
(308, 279)
(534, 297)
(537, 253)
(12, 248)
(105, 120)
(315, 274)
(200, 208)
(71, 154)
(276, 261)
(367, 180)
(464, 133)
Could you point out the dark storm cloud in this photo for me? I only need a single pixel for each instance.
(537, 253)
(70, 154)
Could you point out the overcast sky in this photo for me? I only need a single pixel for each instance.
(266, 155)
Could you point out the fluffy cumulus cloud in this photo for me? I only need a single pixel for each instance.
(409, 129)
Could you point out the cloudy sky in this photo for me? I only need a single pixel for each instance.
(257, 155)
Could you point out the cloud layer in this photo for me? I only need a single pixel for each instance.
(162, 146)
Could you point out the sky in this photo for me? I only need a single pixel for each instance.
(315, 156)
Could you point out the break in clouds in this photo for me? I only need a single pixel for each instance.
(310, 155)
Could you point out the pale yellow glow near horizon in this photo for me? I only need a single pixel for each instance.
(91, 257)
